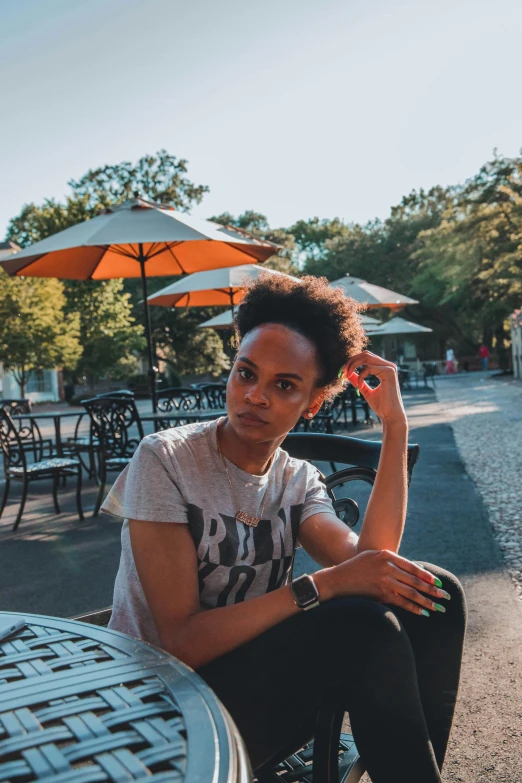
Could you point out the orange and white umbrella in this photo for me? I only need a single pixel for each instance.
(212, 288)
(138, 239)
(373, 295)
(398, 325)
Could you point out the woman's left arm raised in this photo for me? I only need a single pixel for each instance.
(385, 516)
(327, 539)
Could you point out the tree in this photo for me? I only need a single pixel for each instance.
(108, 332)
(472, 261)
(186, 349)
(311, 236)
(381, 251)
(257, 224)
(160, 178)
(36, 332)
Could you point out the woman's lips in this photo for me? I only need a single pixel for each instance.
(251, 419)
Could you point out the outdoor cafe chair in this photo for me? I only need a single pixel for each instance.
(83, 442)
(117, 429)
(332, 756)
(213, 395)
(17, 467)
(349, 400)
(178, 399)
(28, 430)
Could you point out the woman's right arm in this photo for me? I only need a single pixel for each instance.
(166, 562)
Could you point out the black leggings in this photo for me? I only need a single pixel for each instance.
(396, 674)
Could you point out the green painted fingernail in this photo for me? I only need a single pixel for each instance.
(439, 607)
(425, 612)
(437, 581)
(447, 596)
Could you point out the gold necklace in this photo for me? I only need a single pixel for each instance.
(242, 516)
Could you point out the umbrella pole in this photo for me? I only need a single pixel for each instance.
(148, 332)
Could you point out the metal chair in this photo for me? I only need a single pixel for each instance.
(29, 431)
(18, 468)
(16, 407)
(332, 756)
(349, 401)
(113, 420)
(81, 443)
(178, 399)
(213, 395)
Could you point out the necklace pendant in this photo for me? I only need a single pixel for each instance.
(246, 519)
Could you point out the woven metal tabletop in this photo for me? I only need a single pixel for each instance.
(82, 704)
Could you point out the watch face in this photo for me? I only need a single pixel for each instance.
(304, 590)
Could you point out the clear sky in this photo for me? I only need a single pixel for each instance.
(294, 108)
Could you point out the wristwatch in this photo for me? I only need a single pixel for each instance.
(305, 592)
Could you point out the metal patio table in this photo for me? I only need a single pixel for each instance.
(82, 704)
(56, 417)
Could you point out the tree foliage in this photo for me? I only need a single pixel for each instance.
(36, 331)
(472, 260)
(381, 251)
(256, 223)
(311, 236)
(160, 178)
(108, 332)
(186, 349)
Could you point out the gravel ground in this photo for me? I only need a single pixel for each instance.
(486, 416)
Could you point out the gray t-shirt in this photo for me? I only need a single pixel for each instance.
(177, 476)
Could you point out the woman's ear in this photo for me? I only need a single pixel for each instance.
(314, 407)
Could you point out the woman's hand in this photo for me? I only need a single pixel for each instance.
(385, 400)
(386, 577)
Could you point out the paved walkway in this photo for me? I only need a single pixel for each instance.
(55, 565)
(485, 412)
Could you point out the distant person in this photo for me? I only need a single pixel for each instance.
(450, 361)
(484, 356)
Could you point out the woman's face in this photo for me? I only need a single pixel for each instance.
(272, 383)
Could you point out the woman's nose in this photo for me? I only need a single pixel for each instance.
(256, 396)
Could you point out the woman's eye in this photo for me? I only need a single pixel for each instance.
(245, 374)
(285, 385)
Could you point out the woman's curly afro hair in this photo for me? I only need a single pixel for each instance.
(314, 309)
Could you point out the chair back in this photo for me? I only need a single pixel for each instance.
(16, 407)
(28, 430)
(178, 399)
(116, 424)
(213, 395)
(13, 451)
(361, 457)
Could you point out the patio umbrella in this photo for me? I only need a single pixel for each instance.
(398, 325)
(224, 321)
(138, 239)
(214, 287)
(374, 295)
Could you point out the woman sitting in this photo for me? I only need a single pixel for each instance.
(213, 515)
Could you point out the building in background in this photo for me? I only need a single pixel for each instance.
(43, 385)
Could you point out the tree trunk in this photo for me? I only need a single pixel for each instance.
(20, 376)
